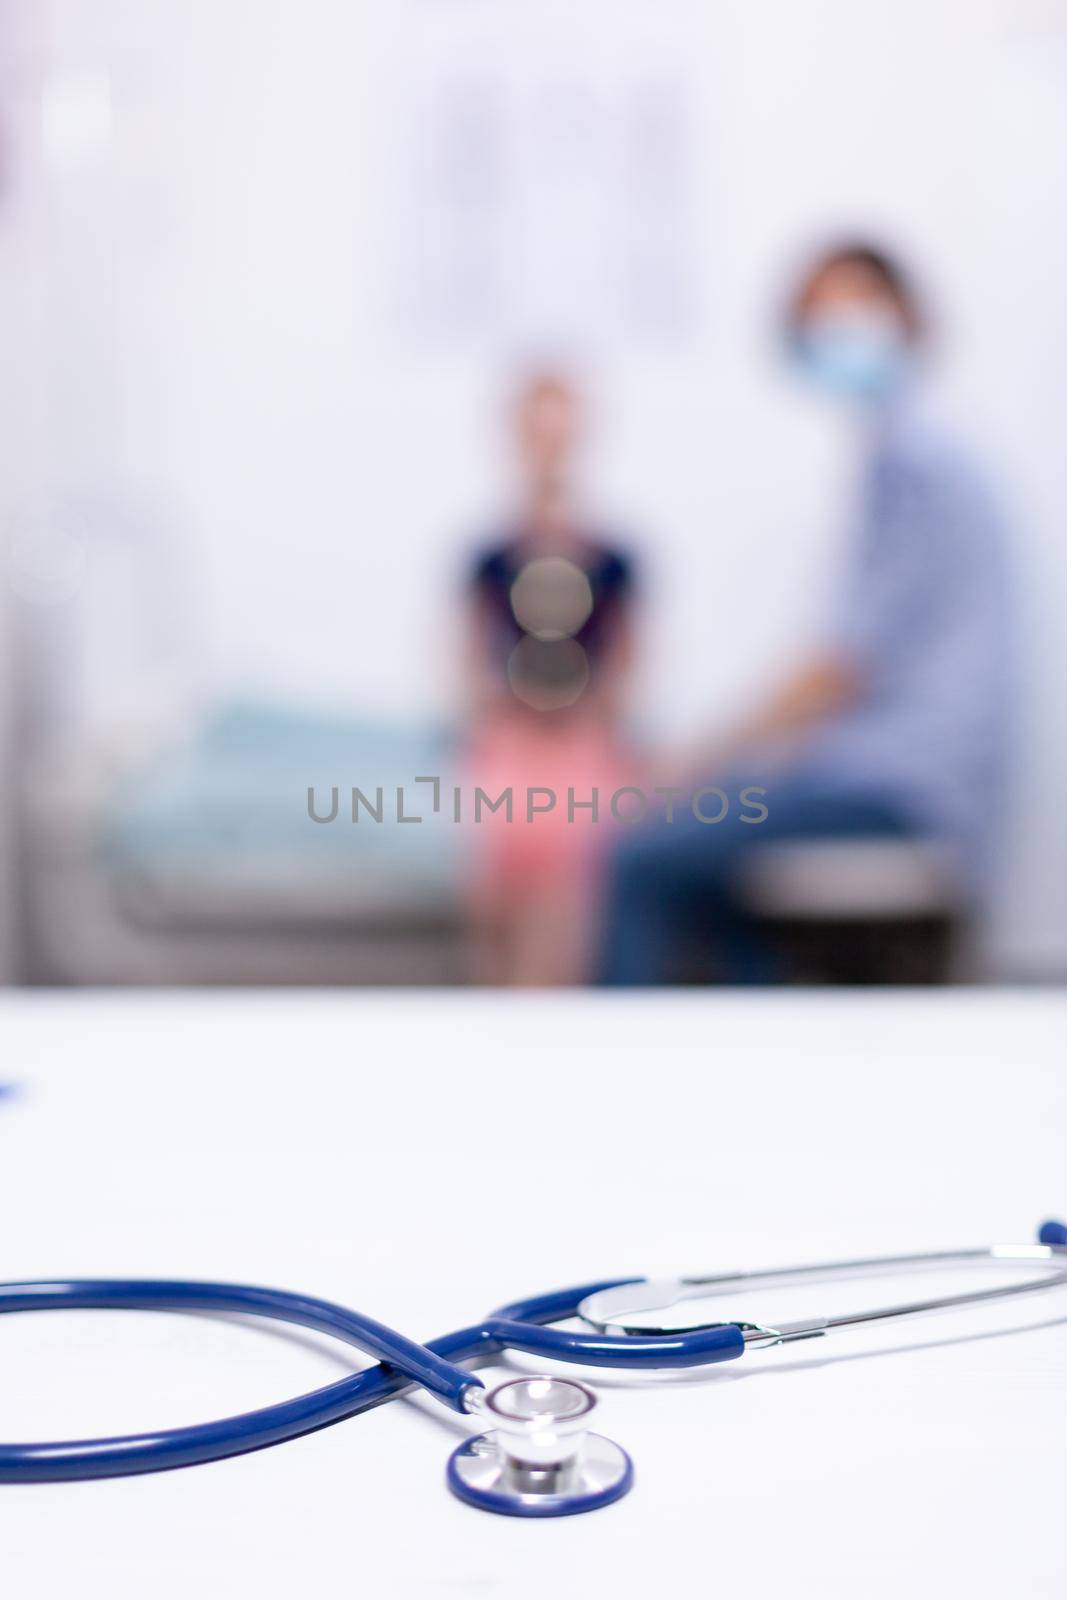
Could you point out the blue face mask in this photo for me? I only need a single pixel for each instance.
(860, 354)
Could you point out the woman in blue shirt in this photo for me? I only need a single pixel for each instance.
(896, 725)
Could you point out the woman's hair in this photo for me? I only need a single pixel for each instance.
(880, 264)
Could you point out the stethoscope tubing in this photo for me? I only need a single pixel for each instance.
(210, 1441)
(402, 1363)
(523, 1325)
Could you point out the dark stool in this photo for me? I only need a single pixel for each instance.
(858, 911)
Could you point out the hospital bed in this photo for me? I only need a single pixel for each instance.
(196, 862)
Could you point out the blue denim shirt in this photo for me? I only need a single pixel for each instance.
(925, 612)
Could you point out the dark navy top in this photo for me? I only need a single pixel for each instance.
(611, 579)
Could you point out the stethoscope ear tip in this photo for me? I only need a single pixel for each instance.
(1053, 1232)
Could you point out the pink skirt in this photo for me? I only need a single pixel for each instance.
(535, 852)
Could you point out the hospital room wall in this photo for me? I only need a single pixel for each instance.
(216, 345)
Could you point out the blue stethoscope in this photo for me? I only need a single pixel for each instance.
(538, 1458)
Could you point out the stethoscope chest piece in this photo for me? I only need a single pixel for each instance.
(539, 1460)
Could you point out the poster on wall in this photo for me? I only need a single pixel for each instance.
(536, 188)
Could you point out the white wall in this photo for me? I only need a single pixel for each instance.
(222, 208)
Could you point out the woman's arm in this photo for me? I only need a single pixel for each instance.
(819, 688)
(480, 678)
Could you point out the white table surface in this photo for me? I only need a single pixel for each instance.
(427, 1157)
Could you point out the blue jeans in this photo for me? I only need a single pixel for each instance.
(673, 887)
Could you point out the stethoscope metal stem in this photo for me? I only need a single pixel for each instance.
(608, 1309)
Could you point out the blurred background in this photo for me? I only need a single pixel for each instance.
(272, 278)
